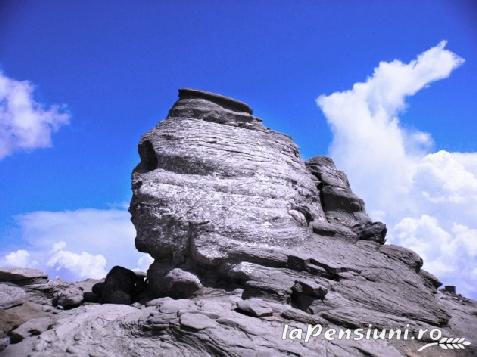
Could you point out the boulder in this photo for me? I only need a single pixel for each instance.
(118, 287)
(11, 295)
(373, 231)
(68, 297)
(196, 322)
(254, 307)
(175, 283)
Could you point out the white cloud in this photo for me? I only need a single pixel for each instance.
(84, 264)
(19, 257)
(76, 244)
(428, 199)
(143, 262)
(24, 123)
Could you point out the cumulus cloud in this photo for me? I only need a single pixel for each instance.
(78, 244)
(19, 257)
(428, 199)
(24, 123)
(84, 264)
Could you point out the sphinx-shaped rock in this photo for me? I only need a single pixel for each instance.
(222, 202)
(246, 239)
(214, 182)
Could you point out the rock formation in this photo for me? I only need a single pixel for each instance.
(246, 237)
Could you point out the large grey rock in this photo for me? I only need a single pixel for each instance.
(222, 197)
(212, 179)
(68, 297)
(11, 295)
(118, 287)
(246, 238)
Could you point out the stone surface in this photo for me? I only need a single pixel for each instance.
(33, 327)
(11, 295)
(254, 307)
(374, 231)
(212, 179)
(222, 197)
(22, 276)
(69, 297)
(246, 237)
(175, 283)
(118, 287)
(210, 325)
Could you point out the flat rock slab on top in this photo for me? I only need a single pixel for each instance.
(226, 102)
(22, 276)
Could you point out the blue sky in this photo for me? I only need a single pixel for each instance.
(116, 66)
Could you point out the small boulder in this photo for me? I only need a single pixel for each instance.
(118, 287)
(373, 231)
(176, 283)
(69, 297)
(304, 294)
(254, 307)
(196, 322)
(310, 288)
(11, 295)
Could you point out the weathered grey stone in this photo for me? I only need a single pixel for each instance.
(254, 307)
(33, 327)
(222, 197)
(196, 321)
(118, 287)
(22, 276)
(68, 297)
(341, 206)
(404, 255)
(236, 222)
(11, 295)
(374, 231)
(175, 283)
(210, 187)
(430, 280)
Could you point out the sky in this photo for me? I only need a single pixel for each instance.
(387, 89)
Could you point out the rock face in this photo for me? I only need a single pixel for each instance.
(213, 179)
(220, 196)
(249, 241)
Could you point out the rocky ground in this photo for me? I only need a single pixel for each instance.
(247, 238)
